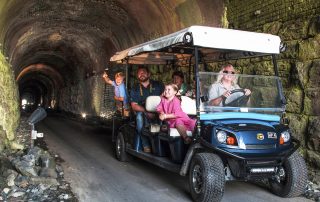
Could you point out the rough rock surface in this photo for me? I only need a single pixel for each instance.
(33, 174)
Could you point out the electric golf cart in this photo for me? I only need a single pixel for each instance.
(246, 137)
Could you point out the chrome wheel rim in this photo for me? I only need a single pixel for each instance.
(281, 176)
(197, 179)
(118, 146)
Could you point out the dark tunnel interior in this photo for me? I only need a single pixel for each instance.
(56, 46)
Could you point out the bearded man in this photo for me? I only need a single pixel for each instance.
(139, 93)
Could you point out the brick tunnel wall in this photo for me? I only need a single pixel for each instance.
(297, 22)
(91, 96)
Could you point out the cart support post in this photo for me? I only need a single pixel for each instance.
(196, 73)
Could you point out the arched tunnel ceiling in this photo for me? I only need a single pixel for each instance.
(75, 38)
(55, 78)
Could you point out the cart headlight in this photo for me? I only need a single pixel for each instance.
(285, 137)
(222, 136)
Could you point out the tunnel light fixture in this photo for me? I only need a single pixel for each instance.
(24, 102)
(83, 115)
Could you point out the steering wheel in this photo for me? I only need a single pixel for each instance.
(237, 102)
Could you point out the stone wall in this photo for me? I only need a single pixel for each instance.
(297, 22)
(91, 96)
(9, 106)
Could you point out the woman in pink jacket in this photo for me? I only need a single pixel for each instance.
(170, 110)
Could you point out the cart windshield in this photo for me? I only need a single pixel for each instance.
(246, 93)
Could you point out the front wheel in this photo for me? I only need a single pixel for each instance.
(291, 179)
(121, 153)
(206, 177)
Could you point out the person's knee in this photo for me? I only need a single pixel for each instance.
(139, 116)
(139, 121)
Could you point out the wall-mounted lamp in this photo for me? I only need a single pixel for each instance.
(84, 115)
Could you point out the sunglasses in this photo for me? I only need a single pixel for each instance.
(228, 72)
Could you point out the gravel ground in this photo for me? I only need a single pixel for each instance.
(18, 185)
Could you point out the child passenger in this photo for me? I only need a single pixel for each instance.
(169, 109)
(120, 94)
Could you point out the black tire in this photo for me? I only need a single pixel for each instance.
(295, 179)
(206, 177)
(121, 153)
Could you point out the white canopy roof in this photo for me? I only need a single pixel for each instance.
(211, 41)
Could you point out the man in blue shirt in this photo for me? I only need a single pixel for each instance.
(139, 94)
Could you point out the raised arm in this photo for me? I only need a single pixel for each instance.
(106, 78)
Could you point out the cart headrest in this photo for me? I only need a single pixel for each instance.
(188, 105)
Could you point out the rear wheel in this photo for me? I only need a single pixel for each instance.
(292, 177)
(121, 153)
(206, 177)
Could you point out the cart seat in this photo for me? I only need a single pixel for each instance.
(188, 105)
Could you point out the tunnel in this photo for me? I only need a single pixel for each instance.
(53, 53)
(59, 49)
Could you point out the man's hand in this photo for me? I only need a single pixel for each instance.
(137, 108)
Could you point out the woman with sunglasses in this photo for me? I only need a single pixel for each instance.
(226, 82)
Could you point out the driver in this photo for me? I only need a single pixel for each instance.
(226, 82)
